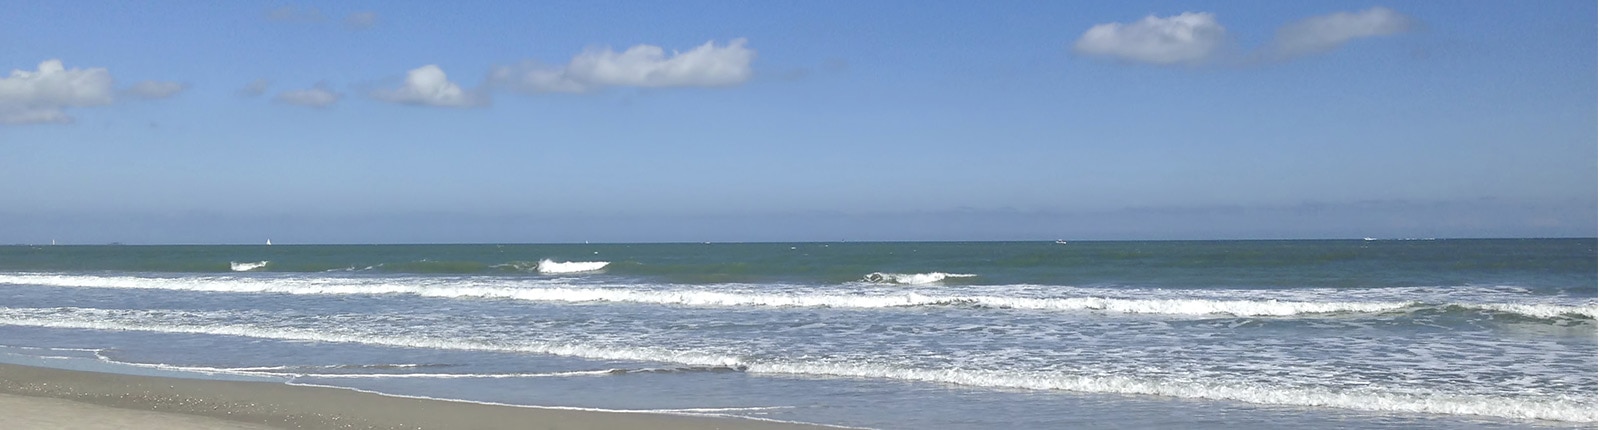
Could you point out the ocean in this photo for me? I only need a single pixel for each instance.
(1456, 334)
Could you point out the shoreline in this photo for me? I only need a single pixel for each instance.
(58, 398)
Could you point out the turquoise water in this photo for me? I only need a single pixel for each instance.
(1230, 334)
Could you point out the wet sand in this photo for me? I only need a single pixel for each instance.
(44, 398)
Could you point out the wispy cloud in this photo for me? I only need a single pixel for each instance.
(1193, 38)
(318, 96)
(1185, 38)
(1326, 32)
(39, 96)
(650, 66)
(152, 90)
(361, 20)
(428, 86)
(295, 14)
(255, 88)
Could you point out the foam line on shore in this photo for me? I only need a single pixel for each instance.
(687, 412)
(95, 321)
(317, 406)
(1515, 407)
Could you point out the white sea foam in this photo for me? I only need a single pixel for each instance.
(555, 267)
(298, 372)
(1546, 311)
(116, 320)
(247, 266)
(1409, 401)
(912, 278)
(289, 369)
(456, 375)
(1191, 306)
(1244, 303)
(1423, 402)
(446, 288)
(688, 412)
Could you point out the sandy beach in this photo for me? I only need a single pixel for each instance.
(44, 398)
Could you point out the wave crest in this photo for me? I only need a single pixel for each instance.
(247, 266)
(547, 266)
(733, 295)
(911, 278)
(1541, 311)
(1432, 402)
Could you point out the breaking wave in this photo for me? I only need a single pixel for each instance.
(701, 297)
(1411, 401)
(1425, 402)
(912, 278)
(1541, 311)
(730, 296)
(122, 320)
(555, 267)
(247, 266)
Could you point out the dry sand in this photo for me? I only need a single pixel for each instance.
(44, 398)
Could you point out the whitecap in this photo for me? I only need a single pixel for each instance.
(247, 266)
(554, 267)
(912, 278)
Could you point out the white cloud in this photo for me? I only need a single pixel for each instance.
(648, 66)
(255, 88)
(428, 85)
(1186, 38)
(151, 90)
(532, 77)
(707, 65)
(316, 96)
(1326, 32)
(361, 20)
(31, 97)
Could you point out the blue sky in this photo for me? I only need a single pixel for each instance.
(234, 122)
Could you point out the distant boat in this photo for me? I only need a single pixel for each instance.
(269, 242)
(1061, 241)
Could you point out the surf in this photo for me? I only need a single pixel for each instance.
(912, 278)
(1062, 299)
(247, 266)
(551, 267)
(1425, 401)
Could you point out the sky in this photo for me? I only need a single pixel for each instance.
(513, 122)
